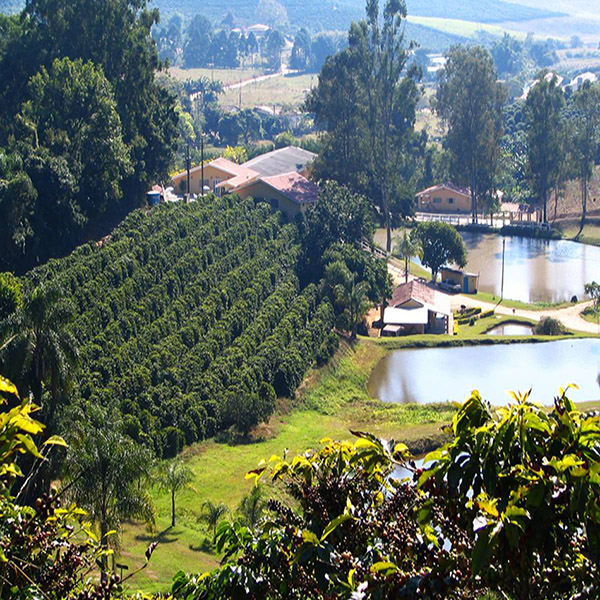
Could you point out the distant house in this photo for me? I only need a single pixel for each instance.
(444, 198)
(578, 81)
(290, 192)
(215, 172)
(284, 160)
(259, 30)
(417, 308)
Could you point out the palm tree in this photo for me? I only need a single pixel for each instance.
(351, 295)
(405, 248)
(174, 476)
(40, 350)
(252, 507)
(105, 469)
(213, 513)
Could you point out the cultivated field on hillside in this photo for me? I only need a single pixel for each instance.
(191, 319)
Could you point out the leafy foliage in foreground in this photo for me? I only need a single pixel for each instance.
(191, 319)
(510, 505)
(47, 551)
(525, 486)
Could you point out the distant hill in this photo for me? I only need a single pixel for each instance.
(329, 14)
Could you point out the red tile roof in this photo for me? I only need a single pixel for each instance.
(294, 186)
(413, 290)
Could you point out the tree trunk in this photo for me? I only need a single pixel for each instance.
(388, 227)
(172, 508)
(406, 270)
(104, 544)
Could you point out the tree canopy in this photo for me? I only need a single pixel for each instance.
(545, 137)
(366, 101)
(91, 65)
(470, 100)
(440, 244)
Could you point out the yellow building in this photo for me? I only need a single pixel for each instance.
(223, 176)
(215, 172)
(291, 192)
(445, 198)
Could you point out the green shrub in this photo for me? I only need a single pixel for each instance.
(549, 326)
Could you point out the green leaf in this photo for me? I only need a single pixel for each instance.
(386, 566)
(310, 537)
(55, 440)
(333, 525)
(8, 387)
(482, 551)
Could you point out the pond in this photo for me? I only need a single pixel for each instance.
(442, 374)
(511, 329)
(534, 270)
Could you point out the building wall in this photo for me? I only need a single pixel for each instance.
(444, 201)
(259, 191)
(212, 176)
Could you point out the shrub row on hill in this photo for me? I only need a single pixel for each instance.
(191, 319)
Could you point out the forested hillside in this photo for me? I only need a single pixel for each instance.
(190, 319)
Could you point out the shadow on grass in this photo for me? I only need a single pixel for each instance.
(166, 536)
(205, 546)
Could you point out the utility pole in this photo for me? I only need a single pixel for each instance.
(502, 284)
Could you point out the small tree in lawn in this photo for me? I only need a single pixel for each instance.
(252, 506)
(212, 514)
(405, 247)
(174, 476)
(593, 291)
(440, 244)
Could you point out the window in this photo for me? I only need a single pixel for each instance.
(450, 200)
(437, 200)
(274, 203)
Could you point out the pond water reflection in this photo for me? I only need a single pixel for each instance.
(534, 270)
(511, 329)
(442, 374)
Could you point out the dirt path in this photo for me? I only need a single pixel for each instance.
(240, 84)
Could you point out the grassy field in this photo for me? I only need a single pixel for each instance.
(570, 230)
(224, 75)
(289, 90)
(590, 315)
